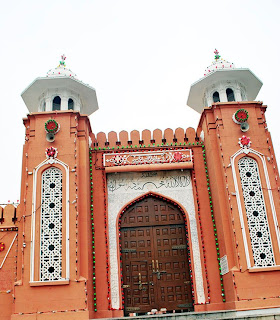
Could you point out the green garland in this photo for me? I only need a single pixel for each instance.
(214, 224)
(53, 122)
(153, 145)
(92, 229)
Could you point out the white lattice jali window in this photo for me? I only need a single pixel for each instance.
(51, 226)
(256, 213)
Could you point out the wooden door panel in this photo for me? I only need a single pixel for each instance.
(139, 292)
(137, 248)
(150, 212)
(171, 258)
(154, 257)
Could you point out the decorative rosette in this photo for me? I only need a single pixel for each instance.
(52, 126)
(2, 246)
(120, 159)
(178, 156)
(51, 152)
(240, 116)
(244, 142)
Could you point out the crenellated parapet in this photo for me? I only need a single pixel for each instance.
(9, 215)
(146, 138)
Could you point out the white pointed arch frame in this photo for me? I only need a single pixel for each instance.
(120, 198)
(49, 163)
(256, 154)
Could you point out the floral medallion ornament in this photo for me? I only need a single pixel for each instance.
(52, 126)
(2, 246)
(244, 142)
(240, 116)
(51, 152)
(119, 159)
(178, 156)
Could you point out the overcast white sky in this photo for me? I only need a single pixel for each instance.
(140, 56)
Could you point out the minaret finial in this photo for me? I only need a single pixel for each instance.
(217, 56)
(62, 62)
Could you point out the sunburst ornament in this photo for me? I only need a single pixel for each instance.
(244, 142)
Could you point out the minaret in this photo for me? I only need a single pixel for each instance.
(55, 265)
(243, 184)
(60, 90)
(223, 82)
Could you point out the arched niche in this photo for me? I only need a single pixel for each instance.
(56, 103)
(70, 104)
(230, 95)
(126, 187)
(216, 97)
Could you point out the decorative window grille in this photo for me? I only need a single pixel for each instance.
(256, 212)
(51, 226)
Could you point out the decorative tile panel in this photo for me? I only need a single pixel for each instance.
(51, 226)
(256, 213)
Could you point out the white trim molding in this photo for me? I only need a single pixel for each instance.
(49, 162)
(123, 188)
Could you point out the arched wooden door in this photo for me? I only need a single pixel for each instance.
(154, 257)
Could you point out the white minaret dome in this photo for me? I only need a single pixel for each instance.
(223, 82)
(61, 70)
(218, 64)
(60, 90)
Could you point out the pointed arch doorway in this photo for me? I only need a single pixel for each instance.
(154, 257)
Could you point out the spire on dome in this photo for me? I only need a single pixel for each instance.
(62, 62)
(217, 56)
